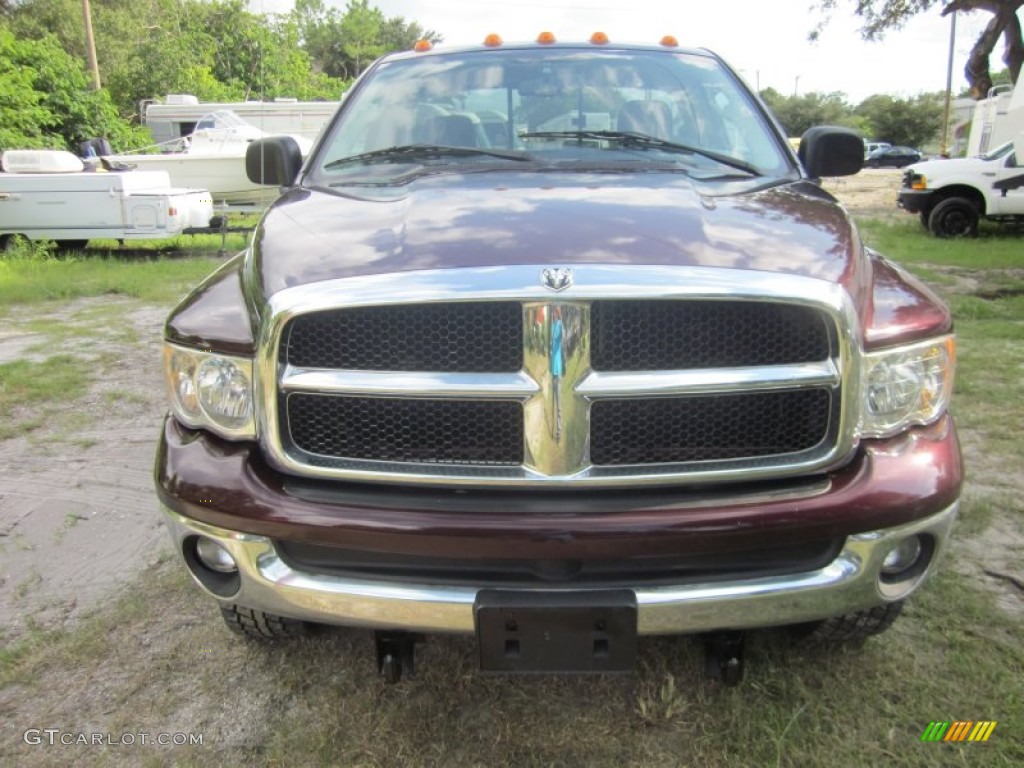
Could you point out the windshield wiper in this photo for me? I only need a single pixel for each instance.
(426, 152)
(633, 139)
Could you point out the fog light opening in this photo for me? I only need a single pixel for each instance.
(212, 566)
(907, 561)
(214, 556)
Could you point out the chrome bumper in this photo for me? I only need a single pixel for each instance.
(850, 583)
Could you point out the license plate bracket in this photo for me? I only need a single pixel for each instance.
(553, 632)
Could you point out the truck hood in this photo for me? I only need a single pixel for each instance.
(953, 167)
(487, 219)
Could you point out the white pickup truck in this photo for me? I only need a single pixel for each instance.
(48, 195)
(951, 196)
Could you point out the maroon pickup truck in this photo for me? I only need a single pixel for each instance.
(558, 345)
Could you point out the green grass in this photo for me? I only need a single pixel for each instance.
(24, 384)
(319, 702)
(153, 279)
(907, 242)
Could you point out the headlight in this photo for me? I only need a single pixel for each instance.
(905, 386)
(211, 391)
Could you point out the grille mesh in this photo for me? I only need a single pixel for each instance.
(473, 337)
(677, 335)
(386, 429)
(707, 427)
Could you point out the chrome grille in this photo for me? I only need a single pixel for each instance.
(636, 375)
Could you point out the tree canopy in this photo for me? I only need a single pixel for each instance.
(217, 50)
(910, 122)
(881, 16)
(46, 102)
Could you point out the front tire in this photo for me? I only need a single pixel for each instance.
(954, 217)
(259, 625)
(853, 627)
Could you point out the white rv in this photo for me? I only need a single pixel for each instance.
(997, 120)
(48, 195)
(178, 115)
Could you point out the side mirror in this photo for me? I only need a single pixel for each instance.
(828, 150)
(274, 161)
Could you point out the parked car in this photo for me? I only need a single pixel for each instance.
(871, 146)
(893, 157)
(557, 345)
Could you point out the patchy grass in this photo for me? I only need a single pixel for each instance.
(156, 280)
(906, 241)
(25, 384)
(159, 660)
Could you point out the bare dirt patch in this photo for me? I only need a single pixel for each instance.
(872, 192)
(77, 510)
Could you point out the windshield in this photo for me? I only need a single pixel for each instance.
(553, 108)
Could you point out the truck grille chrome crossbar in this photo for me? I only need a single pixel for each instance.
(659, 376)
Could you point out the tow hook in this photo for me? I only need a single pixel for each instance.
(395, 654)
(724, 656)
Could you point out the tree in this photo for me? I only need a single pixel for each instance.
(343, 44)
(908, 122)
(881, 16)
(46, 100)
(213, 49)
(799, 112)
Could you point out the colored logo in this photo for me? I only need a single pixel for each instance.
(960, 730)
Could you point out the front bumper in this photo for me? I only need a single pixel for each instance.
(914, 200)
(903, 486)
(849, 583)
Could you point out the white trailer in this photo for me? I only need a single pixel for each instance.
(47, 195)
(178, 115)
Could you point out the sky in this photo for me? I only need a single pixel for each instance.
(766, 40)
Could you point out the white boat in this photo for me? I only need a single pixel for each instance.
(49, 195)
(178, 114)
(212, 158)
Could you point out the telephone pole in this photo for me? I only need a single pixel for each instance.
(90, 46)
(949, 87)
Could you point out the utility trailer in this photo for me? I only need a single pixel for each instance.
(49, 195)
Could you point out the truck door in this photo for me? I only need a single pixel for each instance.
(1008, 199)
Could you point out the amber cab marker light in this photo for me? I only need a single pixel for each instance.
(669, 41)
(492, 40)
(546, 38)
(422, 46)
(599, 38)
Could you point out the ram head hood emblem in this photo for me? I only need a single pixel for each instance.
(556, 279)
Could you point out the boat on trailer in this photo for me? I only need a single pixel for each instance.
(212, 158)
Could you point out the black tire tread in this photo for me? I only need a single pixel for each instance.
(259, 625)
(940, 209)
(857, 626)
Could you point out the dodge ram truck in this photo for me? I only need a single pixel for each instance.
(558, 345)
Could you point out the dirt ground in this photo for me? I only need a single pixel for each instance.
(77, 509)
(872, 192)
